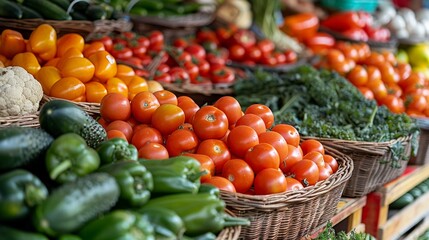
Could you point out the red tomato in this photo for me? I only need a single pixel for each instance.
(179, 75)
(156, 39)
(316, 157)
(244, 38)
(203, 67)
(293, 184)
(289, 133)
(231, 107)
(262, 111)
(294, 156)
(239, 173)
(122, 126)
(120, 51)
(310, 145)
(223, 75)
(291, 56)
(237, 52)
(115, 106)
(221, 183)
(180, 43)
(217, 150)
(253, 121)
(280, 57)
(115, 134)
(331, 161)
(153, 150)
(254, 53)
(270, 181)
(213, 58)
(210, 122)
(306, 171)
(143, 106)
(358, 76)
(192, 70)
(324, 172)
(240, 139)
(167, 118)
(417, 102)
(143, 41)
(268, 59)
(262, 156)
(184, 57)
(162, 77)
(266, 45)
(144, 135)
(206, 163)
(164, 96)
(189, 108)
(107, 42)
(366, 92)
(393, 103)
(196, 51)
(181, 141)
(164, 68)
(277, 141)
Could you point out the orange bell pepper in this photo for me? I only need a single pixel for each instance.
(28, 61)
(116, 85)
(92, 48)
(78, 67)
(68, 88)
(136, 85)
(105, 65)
(11, 43)
(95, 91)
(69, 40)
(43, 41)
(53, 62)
(4, 60)
(301, 26)
(125, 72)
(48, 76)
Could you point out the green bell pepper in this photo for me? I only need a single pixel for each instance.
(135, 182)
(205, 236)
(174, 175)
(209, 188)
(118, 224)
(20, 190)
(15, 234)
(201, 213)
(69, 157)
(69, 237)
(167, 224)
(116, 149)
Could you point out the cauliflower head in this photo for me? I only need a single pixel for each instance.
(20, 92)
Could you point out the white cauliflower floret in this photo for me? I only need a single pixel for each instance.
(20, 92)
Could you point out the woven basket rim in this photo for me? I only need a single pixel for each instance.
(191, 20)
(282, 200)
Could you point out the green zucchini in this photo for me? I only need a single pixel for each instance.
(28, 13)
(96, 12)
(48, 9)
(10, 9)
(423, 187)
(78, 16)
(73, 204)
(15, 234)
(64, 4)
(150, 5)
(402, 201)
(20, 145)
(416, 192)
(139, 11)
(60, 116)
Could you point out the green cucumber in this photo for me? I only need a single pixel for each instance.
(15, 234)
(78, 16)
(192, 7)
(10, 9)
(60, 116)
(48, 9)
(20, 145)
(150, 5)
(423, 187)
(64, 4)
(96, 12)
(28, 13)
(402, 201)
(139, 11)
(416, 192)
(72, 205)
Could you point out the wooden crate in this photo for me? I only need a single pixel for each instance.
(376, 211)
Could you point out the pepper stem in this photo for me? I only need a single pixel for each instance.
(34, 195)
(235, 221)
(194, 177)
(62, 167)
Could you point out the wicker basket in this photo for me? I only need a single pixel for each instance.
(372, 163)
(291, 215)
(422, 157)
(30, 120)
(88, 29)
(93, 109)
(230, 233)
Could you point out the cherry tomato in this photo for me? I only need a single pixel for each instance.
(223, 75)
(266, 46)
(291, 56)
(184, 57)
(163, 68)
(213, 58)
(268, 59)
(143, 41)
(179, 75)
(206, 163)
(239, 173)
(269, 181)
(253, 121)
(210, 122)
(162, 77)
(358, 76)
(294, 156)
(393, 103)
(244, 38)
(196, 51)
(416, 102)
(181, 141)
(277, 141)
(203, 67)
(180, 43)
(192, 70)
(262, 111)
(167, 118)
(156, 39)
(143, 105)
(165, 96)
(120, 51)
(231, 107)
(217, 150)
(254, 53)
(122, 126)
(144, 135)
(221, 183)
(310, 145)
(306, 171)
(366, 92)
(237, 52)
(240, 139)
(115, 106)
(280, 57)
(293, 184)
(289, 133)
(153, 150)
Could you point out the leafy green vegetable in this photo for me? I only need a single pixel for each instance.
(329, 234)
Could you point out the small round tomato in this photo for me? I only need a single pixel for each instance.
(165, 96)
(115, 106)
(153, 150)
(366, 92)
(156, 39)
(180, 43)
(221, 183)
(268, 59)
(293, 184)
(277, 141)
(203, 67)
(120, 51)
(183, 57)
(237, 52)
(269, 181)
(262, 111)
(254, 53)
(217, 150)
(289, 133)
(393, 103)
(162, 77)
(179, 75)
(167, 118)
(266, 46)
(144, 135)
(213, 58)
(291, 56)
(306, 171)
(143, 106)
(358, 76)
(210, 122)
(163, 68)
(240, 139)
(280, 57)
(206, 164)
(192, 70)
(223, 75)
(331, 161)
(294, 156)
(181, 141)
(231, 107)
(310, 145)
(239, 173)
(115, 134)
(122, 126)
(253, 121)
(417, 102)
(196, 51)
(262, 156)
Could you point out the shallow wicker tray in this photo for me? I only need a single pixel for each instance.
(294, 214)
(93, 109)
(88, 29)
(230, 233)
(29, 120)
(191, 20)
(372, 163)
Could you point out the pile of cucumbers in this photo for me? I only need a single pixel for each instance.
(164, 8)
(57, 10)
(410, 196)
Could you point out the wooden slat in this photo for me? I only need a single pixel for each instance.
(423, 227)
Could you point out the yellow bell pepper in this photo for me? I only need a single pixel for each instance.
(48, 76)
(105, 65)
(136, 85)
(69, 40)
(11, 43)
(43, 41)
(116, 85)
(95, 91)
(28, 61)
(78, 67)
